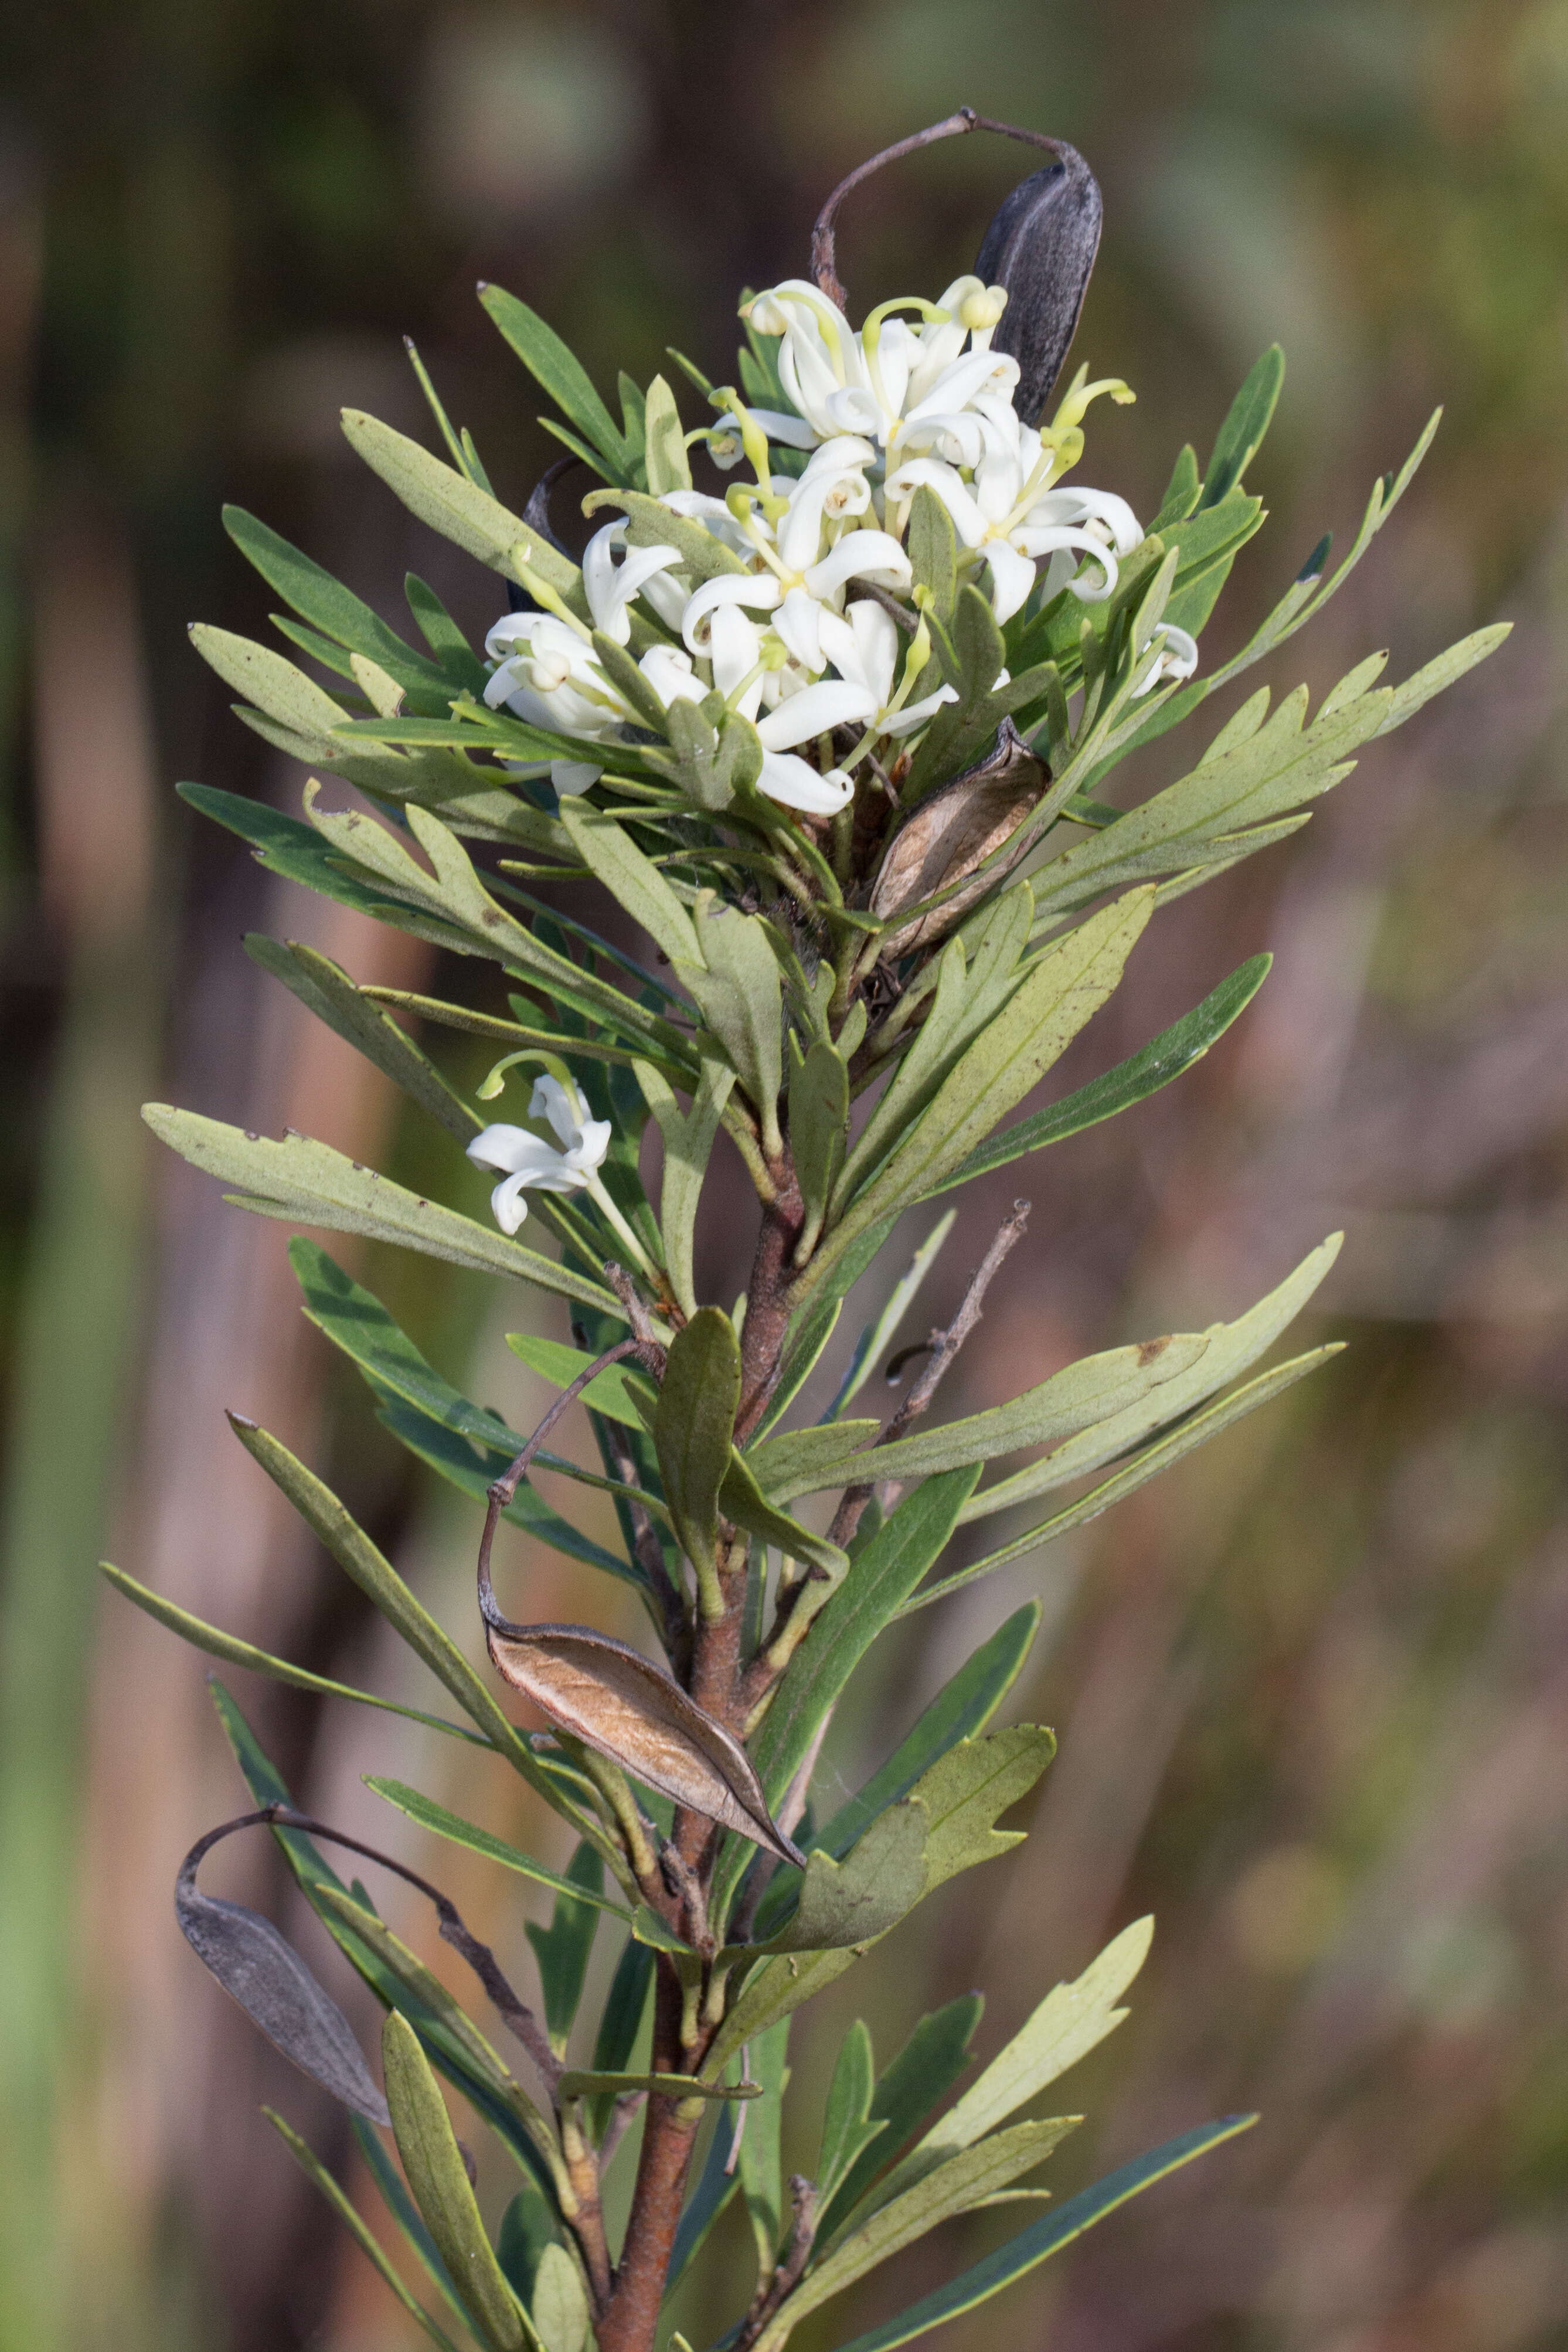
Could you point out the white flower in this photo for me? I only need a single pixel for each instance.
(1177, 656)
(609, 586)
(529, 1163)
(547, 674)
(863, 649)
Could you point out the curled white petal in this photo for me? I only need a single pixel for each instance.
(760, 590)
(873, 555)
(915, 714)
(815, 710)
(789, 432)
(609, 586)
(733, 643)
(669, 672)
(795, 784)
(799, 621)
(1012, 577)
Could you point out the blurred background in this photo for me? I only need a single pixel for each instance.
(1313, 1688)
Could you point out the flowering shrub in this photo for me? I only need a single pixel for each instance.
(832, 726)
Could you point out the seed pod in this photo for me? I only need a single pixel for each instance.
(274, 1987)
(1041, 246)
(615, 1701)
(950, 834)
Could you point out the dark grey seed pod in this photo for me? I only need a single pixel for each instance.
(1042, 245)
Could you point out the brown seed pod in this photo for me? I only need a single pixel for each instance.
(616, 1702)
(952, 833)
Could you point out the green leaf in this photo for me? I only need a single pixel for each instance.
(316, 2172)
(848, 2126)
(1072, 2020)
(1062, 989)
(961, 730)
(527, 2227)
(743, 1500)
(692, 1429)
(879, 1332)
(916, 2081)
(934, 553)
(1189, 1435)
(274, 685)
(761, 2168)
(961, 1709)
(1047, 2236)
(669, 468)
(714, 752)
(738, 996)
(1086, 1393)
(560, 2306)
(564, 1948)
(560, 372)
(235, 1653)
(608, 1391)
(314, 1185)
(1246, 423)
(608, 852)
(381, 1583)
(429, 1998)
(1166, 1057)
(459, 662)
(431, 2160)
(329, 606)
(651, 524)
(405, 2213)
(458, 508)
(853, 1902)
(621, 2021)
(1182, 491)
(1438, 675)
(964, 2181)
(819, 1129)
(1205, 1362)
(801, 1460)
(592, 2082)
(881, 1576)
(332, 996)
(688, 1145)
(432, 1816)
(800, 1358)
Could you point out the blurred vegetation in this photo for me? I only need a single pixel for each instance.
(1312, 1689)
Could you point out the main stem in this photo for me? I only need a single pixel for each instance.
(631, 2319)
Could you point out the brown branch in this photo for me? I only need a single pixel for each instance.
(823, 256)
(649, 1348)
(790, 2267)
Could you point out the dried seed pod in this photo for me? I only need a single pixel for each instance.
(950, 834)
(1042, 245)
(272, 1984)
(616, 1702)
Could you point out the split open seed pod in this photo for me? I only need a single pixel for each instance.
(950, 834)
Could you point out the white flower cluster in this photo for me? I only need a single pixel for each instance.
(788, 640)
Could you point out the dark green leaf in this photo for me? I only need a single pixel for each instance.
(693, 1430)
(848, 2126)
(316, 2172)
(332, 996)
(560, 373)
(1246, 423)
(405, 2213)
(527, 2227)
(621, 2021)
(761, 2162)
(564, 1948)
(818, 1128)
(916, 2082)
(432, 1816)
(934, 554)
(445, 639)
(1166, 1057)
(430, 2156)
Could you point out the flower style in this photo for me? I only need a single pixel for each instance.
(529, 1164)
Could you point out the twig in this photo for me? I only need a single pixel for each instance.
(822, 249)
(503, 1490)
(650, 1351)
(791, 2264)
(944, 1346)
(520, 2020)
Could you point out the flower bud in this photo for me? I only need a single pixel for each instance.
(549, 671)
(983, 308)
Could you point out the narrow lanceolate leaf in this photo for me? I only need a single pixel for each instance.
(819, 1124)
(1069, 2022)
(316, 2172)
(332, 996)
(688, 1143)
(1166, 1057)
(964, 2181)
(694, 1427)
(617, 1703)
(1063, 990)
(311, 1184)
(1092, 1390)
(558, 370)
(1185, 1438)
(1210, 1359)
(562, 1949)
(919, 2079)
(744, 1502)
(1047, 2236)
(848, 2128)
(1247, 421)
(272, 1984)
(235, 1653)
(559, 2307)
(456, 507)
(632, 881)
(445, 1823)
(738, 996)
(432, 2160)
